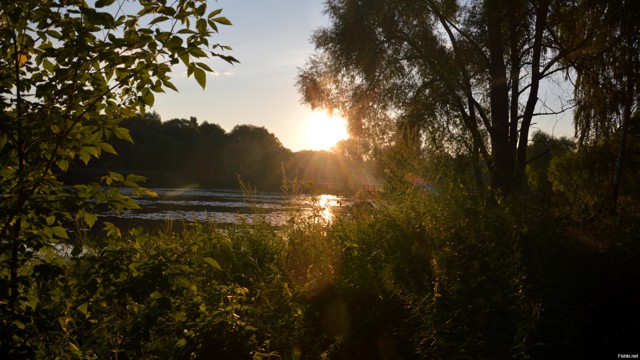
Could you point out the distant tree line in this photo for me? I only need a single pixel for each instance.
(182, 152)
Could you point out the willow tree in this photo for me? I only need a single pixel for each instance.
(69, 72)
(607, 87)
(450, 71)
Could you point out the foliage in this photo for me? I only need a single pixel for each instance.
(146, 297)
(542, 151)
(582, 179)
(456, 74)
(69, 73)
(607, 75)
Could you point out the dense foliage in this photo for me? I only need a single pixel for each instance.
(69, 72)
(420, 276)
(456, 72)
(472, 76)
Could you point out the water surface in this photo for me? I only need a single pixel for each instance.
(229, 207)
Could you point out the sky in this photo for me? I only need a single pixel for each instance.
(272, 39)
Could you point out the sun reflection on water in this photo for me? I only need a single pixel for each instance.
(327, 203)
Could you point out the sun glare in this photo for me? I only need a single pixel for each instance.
(325, 130)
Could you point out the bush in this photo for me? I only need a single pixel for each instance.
(414, 276)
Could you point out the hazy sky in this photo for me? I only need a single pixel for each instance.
(271, 39)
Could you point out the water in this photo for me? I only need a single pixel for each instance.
(228, 207)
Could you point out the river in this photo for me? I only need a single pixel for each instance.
(226, 207)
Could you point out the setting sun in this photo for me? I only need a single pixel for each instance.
(325, 130)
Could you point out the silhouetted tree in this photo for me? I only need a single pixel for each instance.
(607, 87)
(453, 73)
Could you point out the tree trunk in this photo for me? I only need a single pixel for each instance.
(521, 155)
(617, 170)
(624, 130)
(629, 95)
(503, 158)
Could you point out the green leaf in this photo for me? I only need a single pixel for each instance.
(180, 316)
(214, 264)
(174, 42)
(48, 65)
(134, 179)
(180, 268)
(106, 147)
(201, 77)
(90, 219)
(32, 300)
(222, 20)
(214, 13)
(147, 97)
(201, 9)
(197, 52)
(83, 308)
(63, 164)
(186, 31)
(87, 152)
(185, 58)
(123, 134)
(50, 220)
(204, 66)
(60, 232)
(115, 176)
(54, 34)
(84, 157)
(230, 59)
(111, 230)
(213, 25)
(201, 25)
(144, 191)
(159, 19)
(103, 3)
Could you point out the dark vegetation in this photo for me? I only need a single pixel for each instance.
(423, 275)
(485, 243)
(181, 152)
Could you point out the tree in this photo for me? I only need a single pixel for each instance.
(607, 85)
(209, 155)
(456, 73)
(69, 72)
(542, 150)
(256, 156)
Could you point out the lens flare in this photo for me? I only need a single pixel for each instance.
(325, 130)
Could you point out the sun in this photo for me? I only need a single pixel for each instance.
(325, 130)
